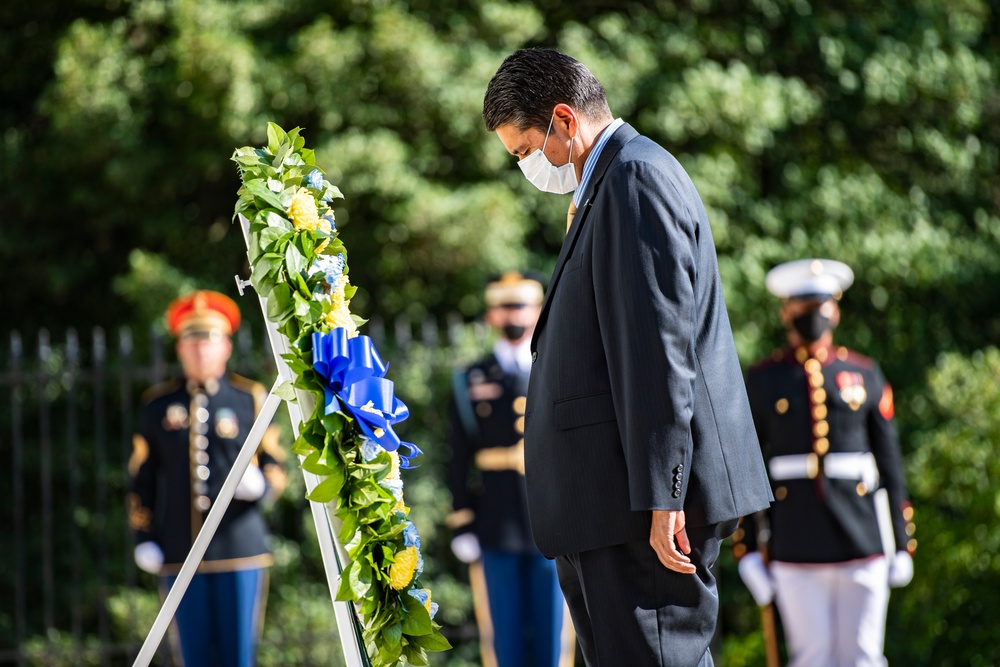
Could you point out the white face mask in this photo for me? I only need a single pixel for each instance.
(546, 176)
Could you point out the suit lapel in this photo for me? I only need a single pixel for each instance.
(622, 136)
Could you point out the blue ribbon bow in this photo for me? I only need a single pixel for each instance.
(354, 382)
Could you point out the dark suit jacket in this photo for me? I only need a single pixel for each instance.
(636, 399)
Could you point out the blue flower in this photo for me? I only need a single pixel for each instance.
(395, 486)
(423, 596)
(314, 180)
(333, 223)
(331, 267)
(410, 536)
(370, 450)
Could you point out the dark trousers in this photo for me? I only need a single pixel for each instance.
(219, 618)
(629, 609)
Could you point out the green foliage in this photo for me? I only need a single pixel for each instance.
(954, 471)
(285, 204)
(149, 287)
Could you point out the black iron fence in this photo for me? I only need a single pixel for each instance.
(70, 593)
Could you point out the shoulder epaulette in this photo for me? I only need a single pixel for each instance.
(158, 390)
(775, 357)
(255, 389)
(851, 357)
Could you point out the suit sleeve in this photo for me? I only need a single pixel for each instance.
(141, 496)
(645, 293)
(884, 442)
(462, 518)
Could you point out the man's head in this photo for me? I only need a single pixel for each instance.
(203, 322)
(513, 302)
(531, 82)
(809, 289)
(547, 109)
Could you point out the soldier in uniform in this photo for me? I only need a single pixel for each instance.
(190, 434)
(841, 527)
(519, 606)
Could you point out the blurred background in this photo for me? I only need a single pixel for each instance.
(864, 132)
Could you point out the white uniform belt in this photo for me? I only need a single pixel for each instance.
(858, 466)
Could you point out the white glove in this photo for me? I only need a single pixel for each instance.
(756, 577)
(466, 548)
(252, 487)
(900, 569)
(149, 557)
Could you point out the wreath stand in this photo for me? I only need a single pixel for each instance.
(334, 556)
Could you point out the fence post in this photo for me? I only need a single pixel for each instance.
(402, 332)
(100, 509)
(73, 463)
(125, 348)
(17, 440)
(45, 448)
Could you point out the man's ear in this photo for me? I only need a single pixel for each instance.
(565, 117)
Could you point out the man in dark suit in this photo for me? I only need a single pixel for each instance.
(519, 607)
(189, 436)
(640, 453)
(840, 533)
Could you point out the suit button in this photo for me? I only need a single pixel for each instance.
(678, 485)
(677, 494)
(680, 466)
(534, 356)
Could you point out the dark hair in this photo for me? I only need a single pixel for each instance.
(530, 82)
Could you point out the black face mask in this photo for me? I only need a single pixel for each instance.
(513, 331)
(811, 326)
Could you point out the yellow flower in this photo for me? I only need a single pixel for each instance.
(303, 211)
(340, 318)
(401, 507)
(394, 472)
(338, 314)
(402, 570)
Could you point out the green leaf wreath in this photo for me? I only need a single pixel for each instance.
(299, 264)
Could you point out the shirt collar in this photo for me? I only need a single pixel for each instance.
(588, 166)
(513, 358)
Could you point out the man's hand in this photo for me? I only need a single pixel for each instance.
(757, 577)
(252, 485)
(149, 557)
(466, 548)
(669, 539)
(900, 569)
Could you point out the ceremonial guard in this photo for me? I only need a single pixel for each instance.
(190, 434)
(840, 531)
(518, 604)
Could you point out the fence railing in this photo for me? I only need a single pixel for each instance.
(68, 405)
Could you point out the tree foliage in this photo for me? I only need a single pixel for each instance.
(868, 133)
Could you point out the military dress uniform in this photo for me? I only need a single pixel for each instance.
(189, 437)
(519, 606)
(841, 513)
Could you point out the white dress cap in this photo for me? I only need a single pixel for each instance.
(809, 277)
